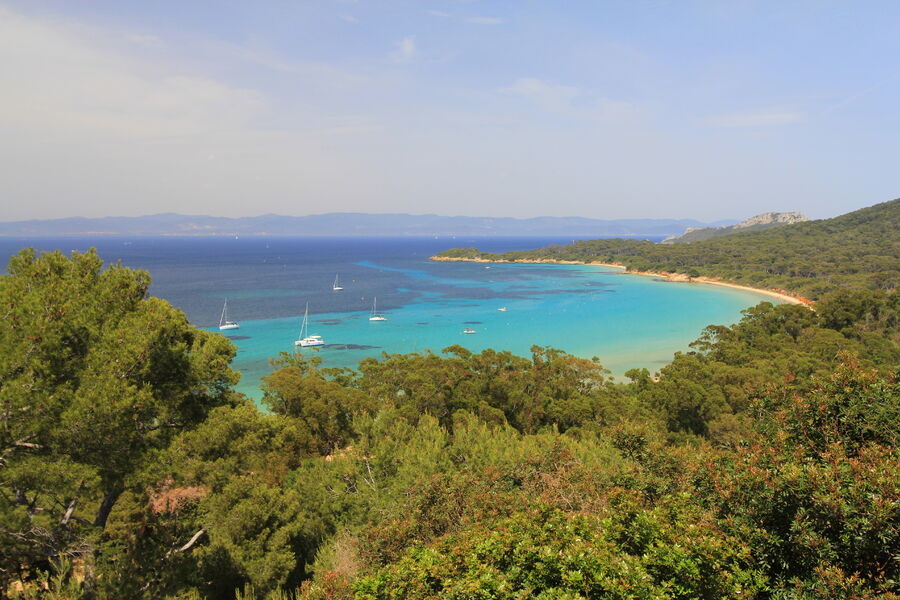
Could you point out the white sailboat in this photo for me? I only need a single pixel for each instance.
(307, 340)
(335, 287)
(224, 323)
(375, 316)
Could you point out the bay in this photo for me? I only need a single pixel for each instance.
(626, 321)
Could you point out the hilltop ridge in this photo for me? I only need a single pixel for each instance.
(758, 222)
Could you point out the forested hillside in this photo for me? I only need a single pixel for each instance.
(762, 464)
(857, 250)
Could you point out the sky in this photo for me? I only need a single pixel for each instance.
(604, 109)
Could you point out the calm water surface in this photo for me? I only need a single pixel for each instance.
(625, 320)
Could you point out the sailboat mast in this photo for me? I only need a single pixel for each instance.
(304, 325)
(224, 308)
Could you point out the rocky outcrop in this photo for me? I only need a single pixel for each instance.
(763, 221)
(772, 218)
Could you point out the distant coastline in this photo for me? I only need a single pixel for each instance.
(264, 234)
(351, 224)
(782, 295)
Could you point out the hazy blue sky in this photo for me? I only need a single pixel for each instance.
(610, 109)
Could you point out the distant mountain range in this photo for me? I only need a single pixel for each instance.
(757, 223)
(351, 224)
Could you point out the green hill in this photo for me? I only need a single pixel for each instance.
(859, 249)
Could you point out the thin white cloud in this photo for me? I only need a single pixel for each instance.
(486, 20)
(95, 121)
(557, 98)
(860, 94)
(349, 19)
(322, 74)
(404, 50)
(761, 118)
(52, 78)
(144, 39)
(607, 111)
(574, 102)
(438, 13)
(347, 125)
(83, 103)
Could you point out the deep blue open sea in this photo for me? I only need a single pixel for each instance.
(625, 320)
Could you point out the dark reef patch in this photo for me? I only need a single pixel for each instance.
(350, 347)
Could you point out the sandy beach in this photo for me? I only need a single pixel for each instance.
(782, 295)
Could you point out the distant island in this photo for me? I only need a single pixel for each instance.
(351, 224)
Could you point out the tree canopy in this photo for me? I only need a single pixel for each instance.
(95, 376)
(760, 463)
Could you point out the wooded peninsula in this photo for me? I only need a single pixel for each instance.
(761, 464)
(857, 250)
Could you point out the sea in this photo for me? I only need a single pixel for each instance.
(626, 321)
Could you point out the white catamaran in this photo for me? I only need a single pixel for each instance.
(375, 316)
(224, 323)
(335, 286)
(307, 340)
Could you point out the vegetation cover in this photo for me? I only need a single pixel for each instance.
(761, 464)
(857, 250)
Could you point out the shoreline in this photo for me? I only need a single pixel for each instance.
(782, 295)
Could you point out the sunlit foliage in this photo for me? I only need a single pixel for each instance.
(762, 463)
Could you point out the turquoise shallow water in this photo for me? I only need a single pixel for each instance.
(625, 320)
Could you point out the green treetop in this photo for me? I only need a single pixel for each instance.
(94, 376)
